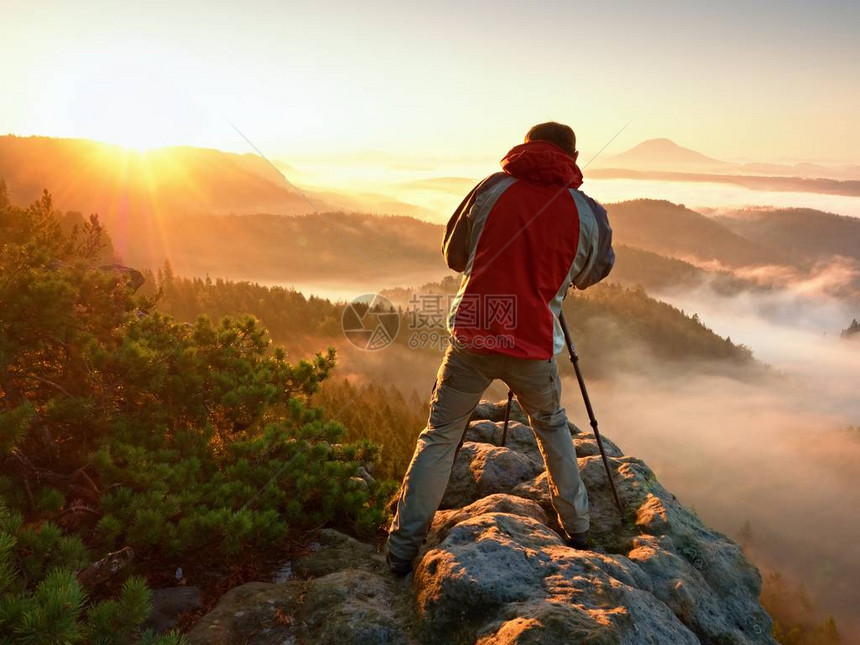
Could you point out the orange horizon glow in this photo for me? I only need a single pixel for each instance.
(441, 82)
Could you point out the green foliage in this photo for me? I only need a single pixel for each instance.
(58, 312)
(381, 414)
(109, 621)
(50, 614)
(290, 474)
(183, 423)
(289, 316)
(13, 426)
(193, 439)
(41, 600)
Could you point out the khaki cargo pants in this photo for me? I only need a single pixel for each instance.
(460, 383)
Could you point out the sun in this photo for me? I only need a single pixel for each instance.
(140, 102)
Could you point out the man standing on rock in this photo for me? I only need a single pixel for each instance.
(521, 238)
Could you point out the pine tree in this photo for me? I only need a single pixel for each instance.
(197, 439)
(746, 536)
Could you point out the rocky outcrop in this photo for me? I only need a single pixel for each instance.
(494, 568)
(168, 604)
(339, 593)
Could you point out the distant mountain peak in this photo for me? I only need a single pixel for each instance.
(660, 152)
(661, 142)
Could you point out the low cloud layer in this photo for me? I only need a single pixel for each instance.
(773, 451)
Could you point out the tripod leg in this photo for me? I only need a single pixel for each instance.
(507, 417)
(574, 359)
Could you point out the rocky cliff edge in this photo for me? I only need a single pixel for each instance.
(494, 569)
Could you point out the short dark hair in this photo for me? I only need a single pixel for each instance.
(557, 133)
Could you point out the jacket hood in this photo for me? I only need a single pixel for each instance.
(543, 162)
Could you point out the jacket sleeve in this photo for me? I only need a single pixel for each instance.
(601, 256)
(457, 244)
(458, 232)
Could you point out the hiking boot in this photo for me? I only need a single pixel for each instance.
(398, 566)
(577, 540)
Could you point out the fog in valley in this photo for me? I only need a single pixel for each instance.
(714, 352)
(770, 457)
(225, 297)
(775, 452)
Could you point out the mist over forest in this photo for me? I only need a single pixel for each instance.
(714, 352)
(227, 382)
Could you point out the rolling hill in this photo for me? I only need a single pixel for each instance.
(90, 176)
(799, 232)
(341, 247)
(650, 238)
(224, 214)
(675, 231)
(658, 273)
(131, 189)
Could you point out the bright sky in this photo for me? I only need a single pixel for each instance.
(769, 80)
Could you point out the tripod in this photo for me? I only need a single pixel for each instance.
(574, 359)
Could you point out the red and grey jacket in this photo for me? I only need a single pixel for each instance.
(521, 238)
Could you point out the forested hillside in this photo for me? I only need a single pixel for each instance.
(616, 326)
(114, 181)
(803, 233)
(343, 247)
(217, 213)
(617, 321)
(349, 246)
(610, 319)
(675, 231)
(635, 266)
